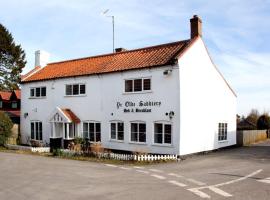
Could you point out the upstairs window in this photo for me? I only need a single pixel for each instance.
(137, 85)
(38, 92)
(222, 131)
(14, 105)
(75, 89)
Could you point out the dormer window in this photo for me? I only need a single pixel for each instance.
(38, 92)
(75, 89)
(138, 85)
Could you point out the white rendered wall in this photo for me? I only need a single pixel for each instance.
(205, 100)
(102, 94)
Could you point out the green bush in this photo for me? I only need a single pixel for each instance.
(57, 152)
(5, 127)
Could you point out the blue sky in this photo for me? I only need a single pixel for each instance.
(236, 33)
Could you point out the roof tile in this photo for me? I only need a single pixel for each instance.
(126, 60)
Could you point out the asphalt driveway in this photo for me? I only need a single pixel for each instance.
(238, 173)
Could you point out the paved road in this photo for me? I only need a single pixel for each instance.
(240, 173)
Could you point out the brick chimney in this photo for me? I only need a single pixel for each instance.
(195, 27)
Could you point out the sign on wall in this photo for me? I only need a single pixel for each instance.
(137, 107)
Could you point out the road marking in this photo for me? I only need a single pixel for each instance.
(195, 181)
(188, 179)
(267, 180)
(125, 168)
(177, 183)
(220, 192)
(109, 165)
(136, 167)
(156, 170)
(142, 171)
(176, 175)
(199, 193)
(158, 176)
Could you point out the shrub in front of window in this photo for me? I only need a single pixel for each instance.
(5, 127)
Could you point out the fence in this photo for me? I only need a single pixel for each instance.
(247, 137)
(27, 148)
(128, 157)
(11, 140)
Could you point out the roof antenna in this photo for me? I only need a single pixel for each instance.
(105, 14)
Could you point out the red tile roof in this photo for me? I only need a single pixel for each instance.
(30, 72)
(69, 114)
(18, 93)
(134, 59)
(5, 95)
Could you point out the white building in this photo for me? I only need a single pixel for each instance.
(166, 99)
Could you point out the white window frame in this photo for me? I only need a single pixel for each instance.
(136, 92)
(88, 130)
(116, 130)
(138, 132)
(79, 90)
(35, 92)
(163, 133)
(222, 131)
(35, 133)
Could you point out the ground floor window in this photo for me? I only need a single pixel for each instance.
(162, 133)
(70, 130)
(36, 130)
(117, 130)
(92, 131)
(138, 132)
(222, 131)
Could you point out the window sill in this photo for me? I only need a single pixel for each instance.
(139, 143)
(223, 141)
(118, 141)
(80, 95)
(55, 137)
(141, 92)
(37, 98)
(163, 145)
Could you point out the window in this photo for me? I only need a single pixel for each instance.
(75, 89)
(138, 85)
(162, 133)
(117, 131)
(91, 130)
(38, 92)
(70, 130)
(14, 105)
(138, 132)
(36, 130)
(222, 131)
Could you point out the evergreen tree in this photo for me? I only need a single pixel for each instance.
(5, 127)
(12, 61)
(263, 122)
